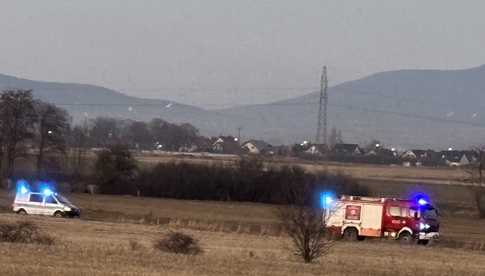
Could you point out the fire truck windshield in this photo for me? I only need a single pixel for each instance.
(429, 213)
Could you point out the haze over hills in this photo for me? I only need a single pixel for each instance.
(407, 108)
(88, 101)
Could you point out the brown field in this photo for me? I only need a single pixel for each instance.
(98, 244)
(427, 175)
(245, 238)
(102, 248)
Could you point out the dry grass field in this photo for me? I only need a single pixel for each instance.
(102, 248)
(244, 238)
(99, 244)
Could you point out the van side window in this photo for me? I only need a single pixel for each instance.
(395, 211)
(50, 199)
(35, 198)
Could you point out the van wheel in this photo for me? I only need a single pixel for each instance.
(22, 212)
(350, 234)
(405, 238)
(58, 214)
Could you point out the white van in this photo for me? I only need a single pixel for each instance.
(46, 203)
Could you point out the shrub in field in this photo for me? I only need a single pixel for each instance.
(480, 201)
(248, 181)
(116, 170)
(302, 221)
(179, 243)
(23, 232)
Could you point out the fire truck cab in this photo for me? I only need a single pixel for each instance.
(355, 218)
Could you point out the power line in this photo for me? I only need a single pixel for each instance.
(346, 106)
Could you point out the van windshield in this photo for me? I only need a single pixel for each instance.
(63, 200)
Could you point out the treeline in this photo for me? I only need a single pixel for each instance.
(249, 180)
(156, 134)
(43, 132)
(27, 124)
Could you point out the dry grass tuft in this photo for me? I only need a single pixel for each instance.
(23, 232)
(135, 246)
(179, 243)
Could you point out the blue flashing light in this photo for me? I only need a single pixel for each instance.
(326, 199)
(23, 190)
(422, 201)
(46, 188)
(47, 192)
(22, 186)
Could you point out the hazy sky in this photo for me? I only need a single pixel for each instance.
(216, 53)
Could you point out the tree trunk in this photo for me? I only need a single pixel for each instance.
(40, 156)
(10, 161)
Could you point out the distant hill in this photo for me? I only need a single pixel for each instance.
(89, 101)
(408, 108)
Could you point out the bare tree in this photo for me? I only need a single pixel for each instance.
(2, 141)
(53, 126)
(79, 139)
(476, 176)
(106, 131)
(304, 222)
(17, 116)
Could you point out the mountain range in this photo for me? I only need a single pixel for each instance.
(406, 108)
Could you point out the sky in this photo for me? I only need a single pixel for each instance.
(220, 53)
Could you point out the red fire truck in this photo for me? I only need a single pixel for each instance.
(355, 217)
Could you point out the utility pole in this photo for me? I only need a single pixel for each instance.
(322, 109)
(239, 135)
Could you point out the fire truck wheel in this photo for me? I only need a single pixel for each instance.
(405, 238)
(350, 234)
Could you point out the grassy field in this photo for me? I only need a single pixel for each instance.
(99, 244)
(103, 248)
(244, 238)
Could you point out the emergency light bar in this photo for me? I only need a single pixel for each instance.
(23, 187)
(422, 201)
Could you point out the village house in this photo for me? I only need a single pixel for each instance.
(225, 144)
(418, 157)
(348, 149)
(457, 158)
(317, 149)
(257, 147)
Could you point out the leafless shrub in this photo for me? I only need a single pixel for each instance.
(303, 223)
(179, 243)
(479, 194)
(23, 232)
(475, 173)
